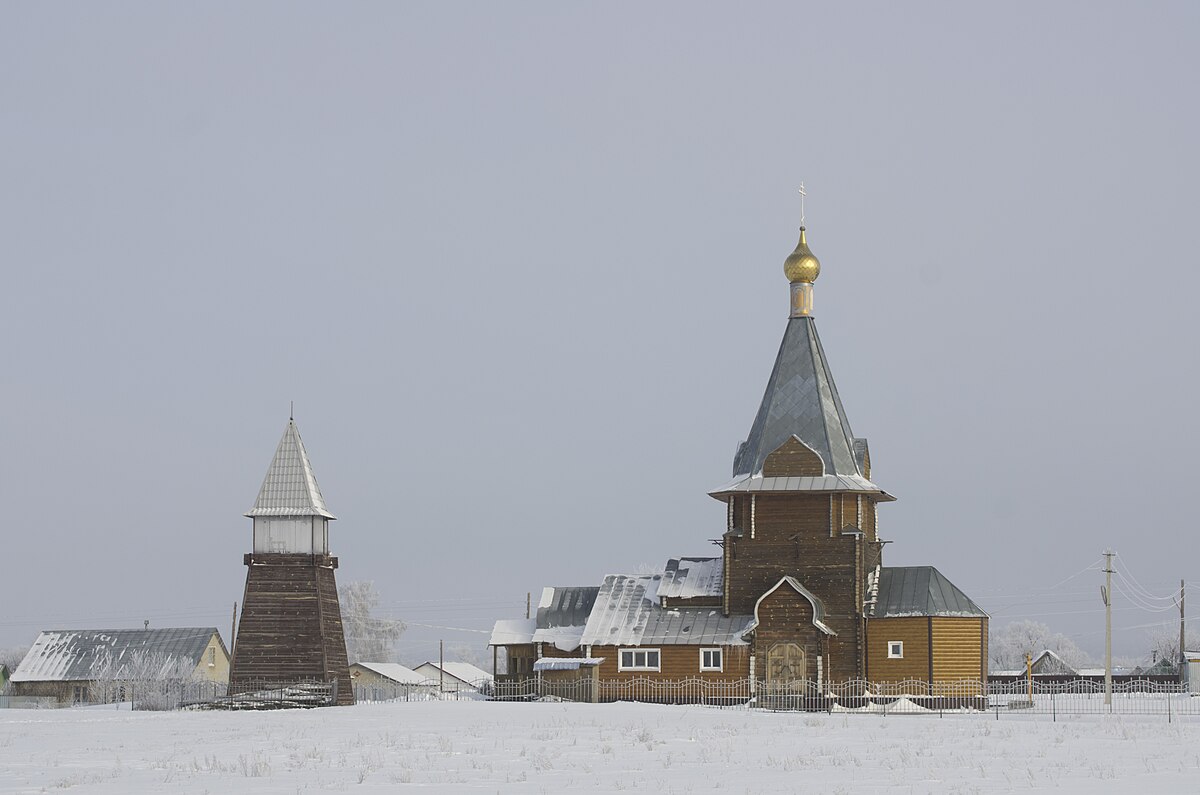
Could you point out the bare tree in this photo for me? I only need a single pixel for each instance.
(1008, 645)
(368, 638)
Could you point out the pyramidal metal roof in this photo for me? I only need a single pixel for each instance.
(801, 400)
(290, 487)
(920, 591)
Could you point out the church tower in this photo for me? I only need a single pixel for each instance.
(800, 548)
(291, 624)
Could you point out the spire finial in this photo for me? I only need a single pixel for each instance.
(802, 195)
(291, 411)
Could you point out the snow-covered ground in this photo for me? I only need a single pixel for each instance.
(465, 746)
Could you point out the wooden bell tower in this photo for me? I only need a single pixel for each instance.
(291, 625)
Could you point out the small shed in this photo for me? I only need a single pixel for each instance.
(1193, 671)
(83, 666)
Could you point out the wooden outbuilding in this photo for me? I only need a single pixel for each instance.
(79, 666)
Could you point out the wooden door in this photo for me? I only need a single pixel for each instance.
(785, 664)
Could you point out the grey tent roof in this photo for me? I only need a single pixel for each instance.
(920, 591)
(75, 654)
(801, 400)
(290, 487)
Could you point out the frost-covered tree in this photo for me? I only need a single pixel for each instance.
(151, 680)
(1164, 644)
(12, 656)
(1008, 645)
(368, 638)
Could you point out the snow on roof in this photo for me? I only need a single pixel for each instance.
(690, 578)
(66, 655)
(290, 487)
(395, 671)
(464, 672)
(627, 613)
(561, 615)
(510, 631)
(566, 663)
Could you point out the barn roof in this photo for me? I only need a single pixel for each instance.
(690, 578)
(628, 613)
(920, 591)
(290, 487)
(802, 400)
(67, 655)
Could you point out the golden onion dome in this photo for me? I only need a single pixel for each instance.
(802, 265)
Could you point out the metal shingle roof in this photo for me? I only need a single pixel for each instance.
(72, 655)
(290, 487)
(757, 484)
(802, 400)
(920, 591)
(689, 578)
(626, 615)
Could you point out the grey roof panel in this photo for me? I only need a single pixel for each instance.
(76, 655)
(290, 487)
(567, 606)
(690, 578)
(920, 591)
(801, 399)
(627, 613)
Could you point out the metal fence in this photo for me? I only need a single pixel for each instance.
(1136, 697)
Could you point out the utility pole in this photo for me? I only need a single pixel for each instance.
(441, 666)
(528, 599)
(1107, 594)
(1182, 640)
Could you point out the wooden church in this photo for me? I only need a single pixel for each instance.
(291, 625)
(800, 592)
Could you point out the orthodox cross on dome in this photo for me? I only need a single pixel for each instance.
(802, 195)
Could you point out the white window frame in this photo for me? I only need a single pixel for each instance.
(634, 653)
(720, 666)
(895, 649)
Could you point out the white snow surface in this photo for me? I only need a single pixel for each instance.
(486, 747)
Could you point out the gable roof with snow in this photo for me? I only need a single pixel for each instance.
(290, 487)
(464, 672)
(394, 671)
(76, 655)
(920, 591)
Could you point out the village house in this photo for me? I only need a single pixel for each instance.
(454, 677)
(98, 665)
(799, 592)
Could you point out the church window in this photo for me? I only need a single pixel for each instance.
(895, 649)
(711, 660)
(212, 657)
(639, 660)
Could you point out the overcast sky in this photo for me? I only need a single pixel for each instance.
(520, 268)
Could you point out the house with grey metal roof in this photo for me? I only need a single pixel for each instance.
(70, 665)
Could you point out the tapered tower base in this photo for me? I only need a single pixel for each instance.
(291, 625)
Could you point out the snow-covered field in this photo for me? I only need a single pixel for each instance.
(452, 747)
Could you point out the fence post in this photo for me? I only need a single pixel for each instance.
(1053, 709)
